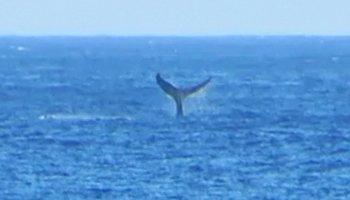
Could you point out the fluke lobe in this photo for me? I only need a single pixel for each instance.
(179, 94)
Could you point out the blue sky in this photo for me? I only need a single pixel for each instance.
(174, 17)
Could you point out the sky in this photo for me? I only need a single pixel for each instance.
(174, 17)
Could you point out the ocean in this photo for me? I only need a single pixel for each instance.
(83, 118)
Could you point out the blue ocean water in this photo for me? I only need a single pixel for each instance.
(83, 118)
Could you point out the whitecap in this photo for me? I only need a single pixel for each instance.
(57, 85)
(19, 48)
(291, 83)
(82, 117)
(31, 77)
(335, 59)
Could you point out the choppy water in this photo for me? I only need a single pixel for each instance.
(82, 118)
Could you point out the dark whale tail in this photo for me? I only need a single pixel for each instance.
(179, 94)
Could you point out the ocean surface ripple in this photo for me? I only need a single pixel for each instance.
(82, 118)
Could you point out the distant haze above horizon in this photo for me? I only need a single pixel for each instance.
(174, 17)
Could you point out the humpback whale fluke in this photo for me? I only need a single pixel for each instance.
(179, 94)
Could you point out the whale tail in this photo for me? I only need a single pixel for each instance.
(179, 94)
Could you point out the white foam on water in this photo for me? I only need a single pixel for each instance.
(335, 59)
(31, 77)
(291, 83)
(82, 117)
(19, 48)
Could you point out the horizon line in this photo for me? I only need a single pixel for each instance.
(173, 35)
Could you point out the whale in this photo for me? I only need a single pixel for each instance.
(179, 94)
